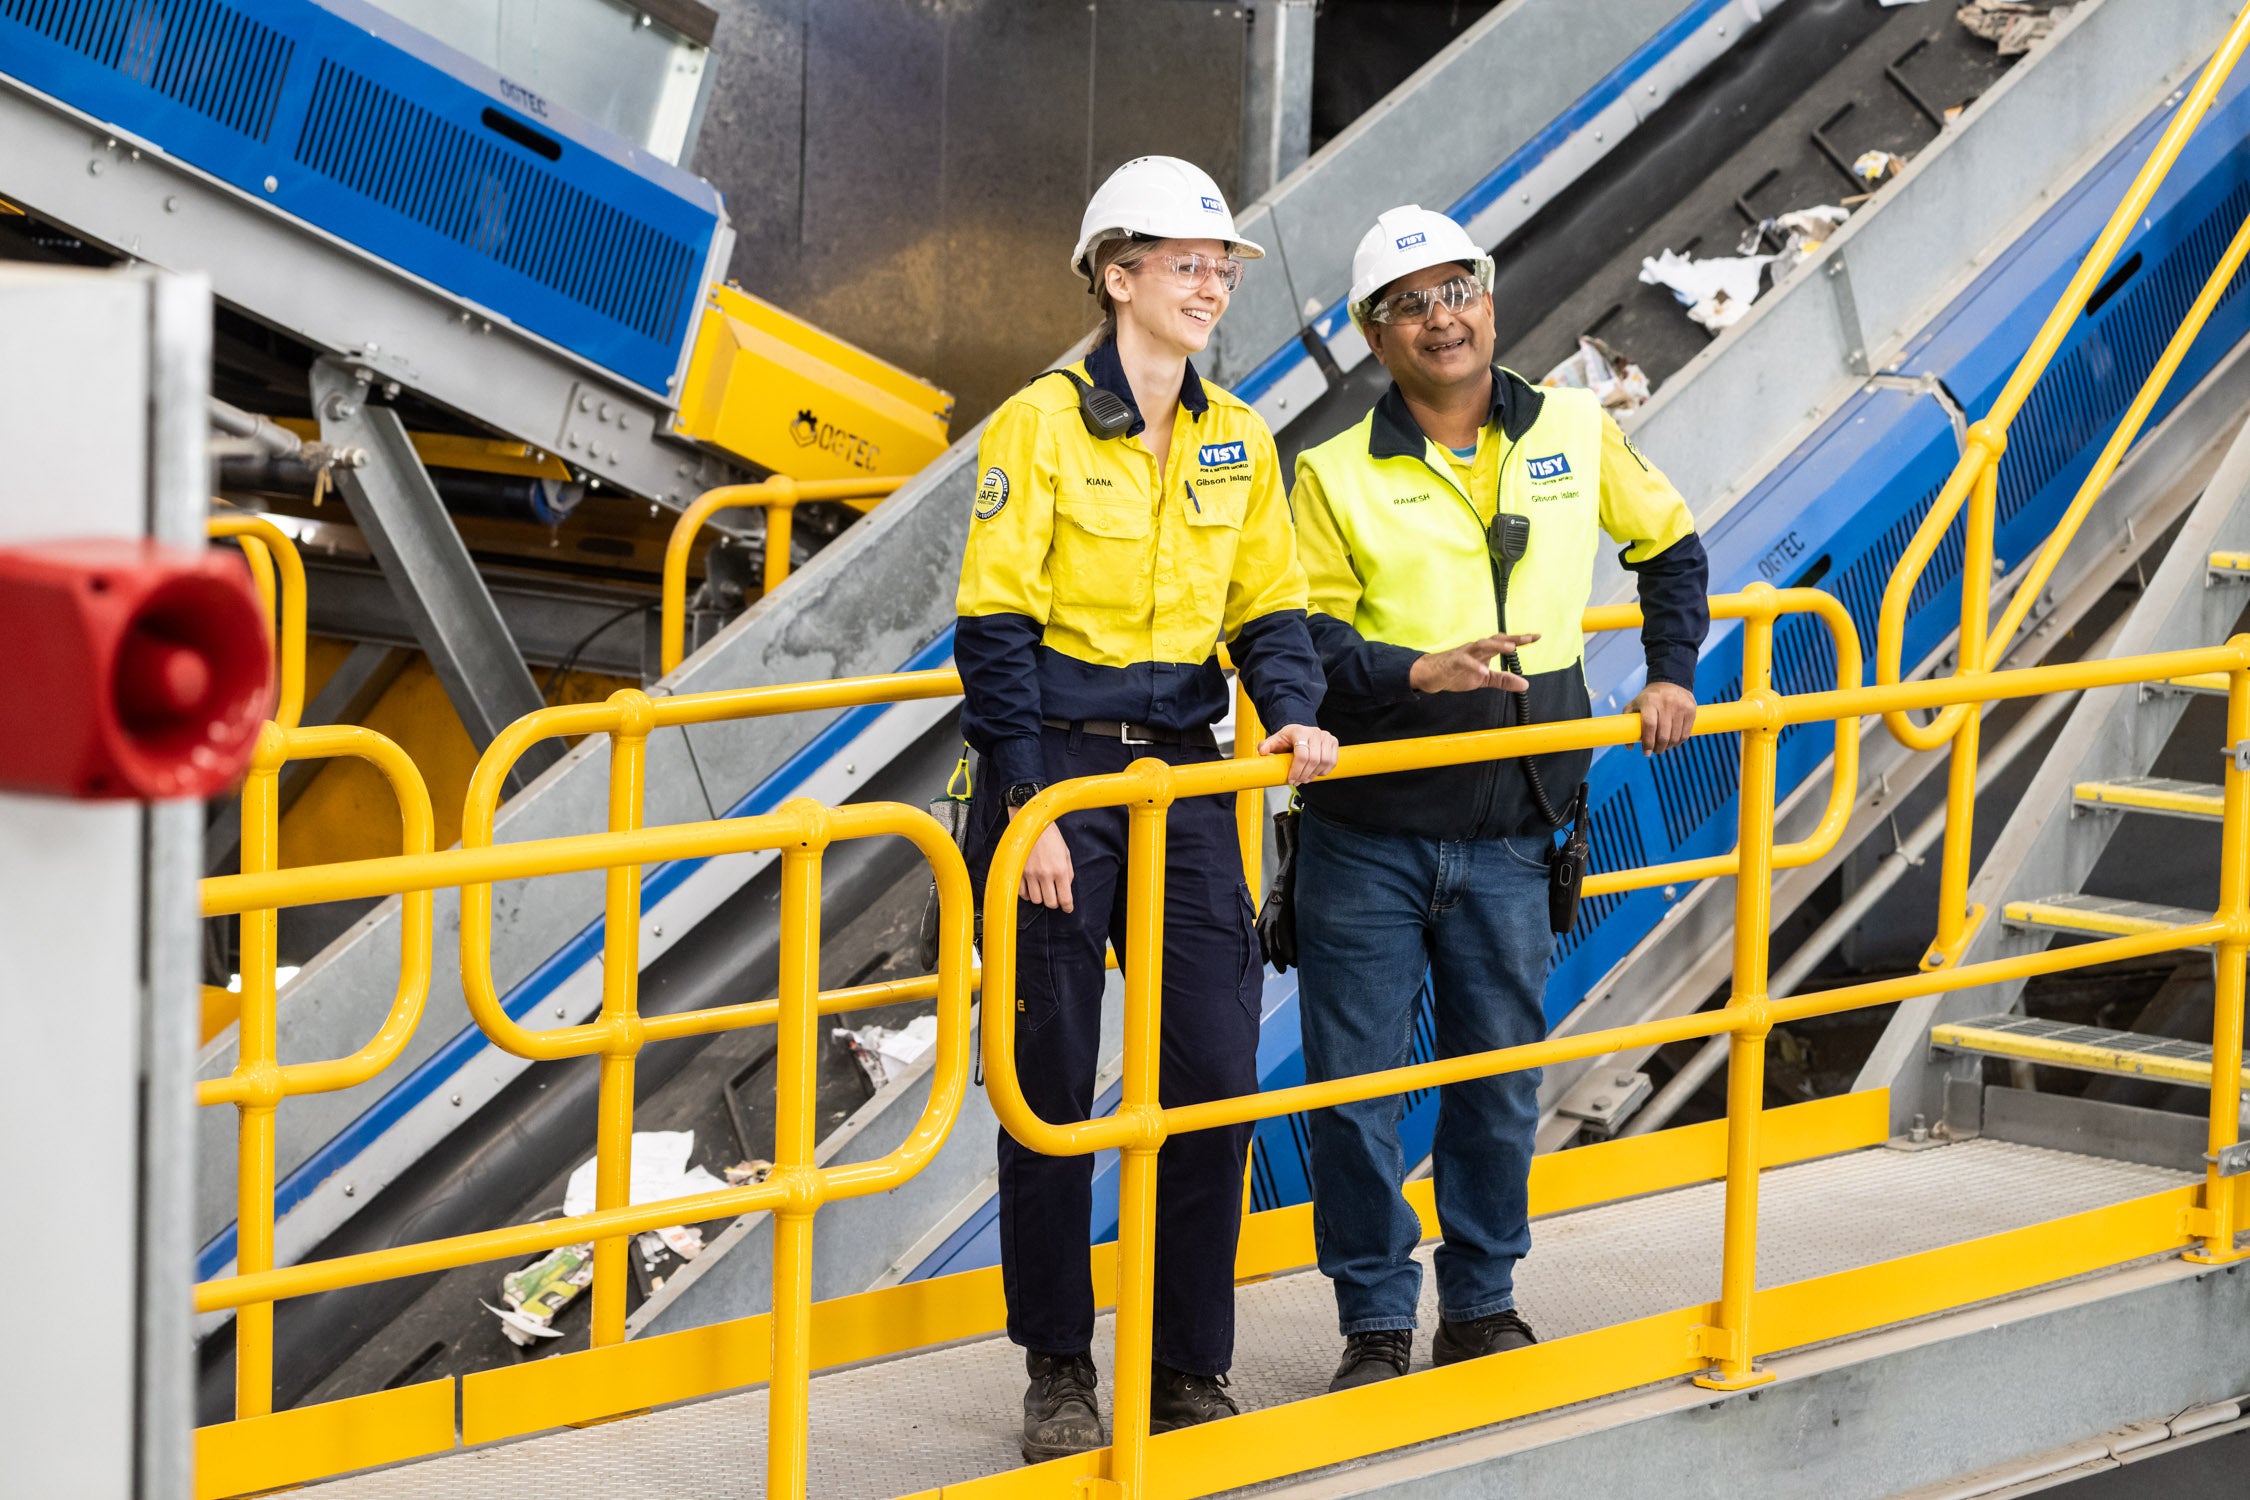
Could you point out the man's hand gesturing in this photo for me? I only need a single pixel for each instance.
(1467, 668)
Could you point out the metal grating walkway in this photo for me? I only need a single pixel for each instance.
(900, 1426)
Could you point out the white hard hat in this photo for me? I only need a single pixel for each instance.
(1164, 198)
(1409, 239)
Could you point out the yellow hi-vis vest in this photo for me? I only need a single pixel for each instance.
(1416, 540)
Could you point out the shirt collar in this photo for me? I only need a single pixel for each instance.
(1107, 372)
(1395, 434)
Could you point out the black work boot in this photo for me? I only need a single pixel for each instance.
(1372, 1355)
(1478, 1337)
(1060, 1414)
(1178, 1399)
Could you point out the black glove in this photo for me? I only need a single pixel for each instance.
(1277, 920)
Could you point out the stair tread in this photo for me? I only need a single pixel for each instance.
(2201, 800)
(2094, 1049)
(2076, 911)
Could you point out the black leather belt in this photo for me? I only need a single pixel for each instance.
(1139, 734)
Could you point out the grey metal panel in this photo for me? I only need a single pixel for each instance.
(126, 194)
(179, 472)
(95, 917)
(1741, 404)
(428, 566)
(1436, 136)
(910, 176)
(2095, 1127)
(1267, 300)
(2046, 847)
(1276, 93)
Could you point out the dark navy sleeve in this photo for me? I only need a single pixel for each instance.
(998, 657)
(1675, 586)
(1372, 671)
(1275, 655)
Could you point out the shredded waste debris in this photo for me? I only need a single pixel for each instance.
(1716, 292)
(1620, 384)
(2010, 26)
(532, 1297)
(1877, 167)
(885, 1053)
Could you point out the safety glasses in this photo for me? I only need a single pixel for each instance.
(1416, 307)
(1188, 270)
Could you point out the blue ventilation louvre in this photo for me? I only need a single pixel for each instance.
(489, 195)
(1699, 778)
(342, 116)
(210, 57)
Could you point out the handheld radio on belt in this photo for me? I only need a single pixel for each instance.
(1506, 541)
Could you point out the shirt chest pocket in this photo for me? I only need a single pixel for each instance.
(1100, 552)
(1213, 511)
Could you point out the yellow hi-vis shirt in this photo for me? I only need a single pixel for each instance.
(1395, 546)
(1130, 580)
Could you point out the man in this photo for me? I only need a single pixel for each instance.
(1425, 588)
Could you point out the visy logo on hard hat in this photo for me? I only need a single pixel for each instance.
(1407, 241)
(992, 492)
(1213, 206)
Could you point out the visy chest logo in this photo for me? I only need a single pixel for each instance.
(1222, 455)
(1553, 466)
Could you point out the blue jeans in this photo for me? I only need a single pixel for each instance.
(1375, 912)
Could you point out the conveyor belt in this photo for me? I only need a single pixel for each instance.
(911, 1424)
(1743, 138)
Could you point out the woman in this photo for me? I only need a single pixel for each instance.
(1129, 517)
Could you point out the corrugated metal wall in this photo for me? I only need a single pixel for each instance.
(908, 174)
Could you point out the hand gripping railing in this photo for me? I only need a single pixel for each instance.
(779, 496)
(1975, 481)
(801, 830)
(1728, 1342)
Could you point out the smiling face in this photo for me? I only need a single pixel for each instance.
(1446, 350)
(1152, 300)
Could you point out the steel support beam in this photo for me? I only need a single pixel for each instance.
(455, 621)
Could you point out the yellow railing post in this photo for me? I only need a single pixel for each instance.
(796, 1135)
(2219, 1217)
(1956, 923)
(257, 1062)
(781, 519)
(1143, 963)
(1250, 802)
(1727, 1343)
(621, 1022)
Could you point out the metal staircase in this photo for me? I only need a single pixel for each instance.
(2035, 881)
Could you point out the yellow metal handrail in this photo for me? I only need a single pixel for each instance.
(1975, 482)
(779, 497)
(1142, 1123)
(266, 547)
(801, 830)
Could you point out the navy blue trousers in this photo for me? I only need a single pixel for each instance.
(1212, 993)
